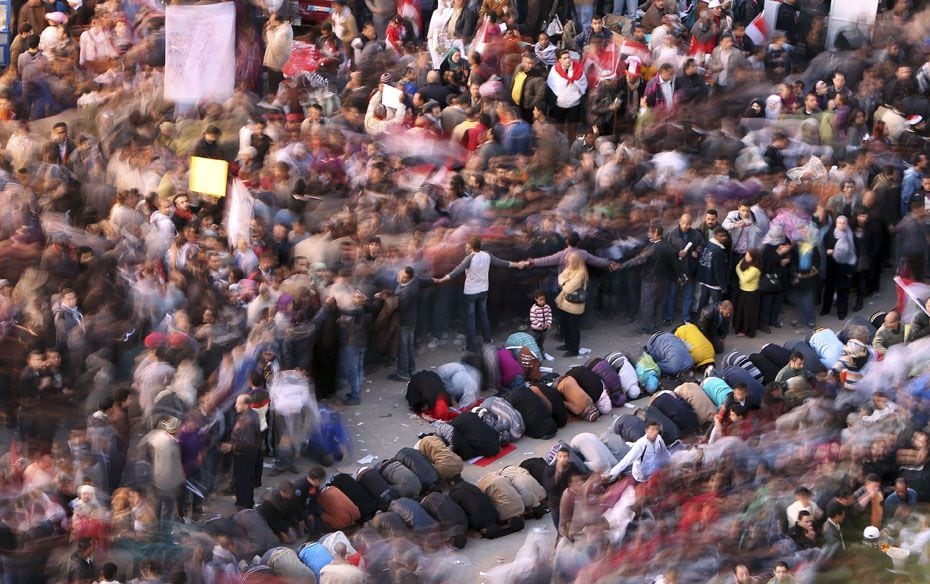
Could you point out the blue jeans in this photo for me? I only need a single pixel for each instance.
(584, 13)
(476, 306)
(631, 7)
(405, 352)
(805, 299)
(687, 296)
(704, 296)
(352, 363)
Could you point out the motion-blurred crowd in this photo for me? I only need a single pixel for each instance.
(680, 164)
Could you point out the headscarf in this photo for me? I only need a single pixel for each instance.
(775, 236)
(772, 107)
(844, 252)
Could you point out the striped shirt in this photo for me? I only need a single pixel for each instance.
(540, 317)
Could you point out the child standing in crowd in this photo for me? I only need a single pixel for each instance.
(540, 321)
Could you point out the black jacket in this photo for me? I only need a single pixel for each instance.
(658, 261)
(714, 266)
(712, 323)
(279, 513)
(478, 506)
(537, 418)
(691, 87)
(686, 266)
(465, 25)
(408, 300)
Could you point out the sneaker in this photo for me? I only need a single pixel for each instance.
(569, 354)
(292, 469)
(351, 401)
(398, 377)
(275, 472)
(584, 351)
(433, 344)
(548, 357)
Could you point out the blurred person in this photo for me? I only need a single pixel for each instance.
(162, 448)
(278, 36)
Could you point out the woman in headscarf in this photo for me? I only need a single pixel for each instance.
(89, 518)
(777, 253)
(454, 68)
(756, 109)
(571, 301)
(772, 107)
(840, 247)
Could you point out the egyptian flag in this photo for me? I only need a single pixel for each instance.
(758, 29)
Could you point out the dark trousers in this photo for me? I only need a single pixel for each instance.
(540, 337)
(652, 304)
(571, 331)
(274, 79)
(770, 308)
(244, 479)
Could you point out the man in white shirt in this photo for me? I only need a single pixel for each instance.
(97, 46)
(279, 36)
(647, 456)
(476, 266)
(803, 501)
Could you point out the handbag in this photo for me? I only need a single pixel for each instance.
(579, 296)
(771, 283)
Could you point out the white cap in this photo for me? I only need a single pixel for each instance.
(714, 4)
(871, 532)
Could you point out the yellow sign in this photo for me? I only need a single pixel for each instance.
(208, 176)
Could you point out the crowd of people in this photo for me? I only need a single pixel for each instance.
(492, 167)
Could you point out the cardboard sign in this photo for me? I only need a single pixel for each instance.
(208, 176)
(392, 97)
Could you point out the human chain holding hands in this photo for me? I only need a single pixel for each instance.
(476, 266)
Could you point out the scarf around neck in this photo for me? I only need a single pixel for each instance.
(576, 74)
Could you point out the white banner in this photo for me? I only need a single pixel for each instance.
(239, 205)
(848, 14)
(200, 52)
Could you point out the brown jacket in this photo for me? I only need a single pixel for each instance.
(34, 15)
(534, 87)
